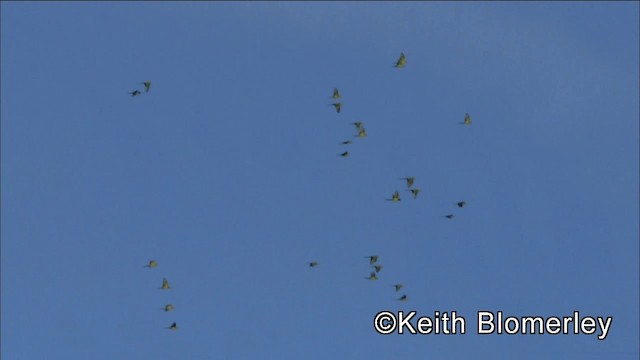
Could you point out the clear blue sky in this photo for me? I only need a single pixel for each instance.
(227, 174)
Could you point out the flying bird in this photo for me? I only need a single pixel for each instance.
(377, 268)
(147, 86)
(362, 133)
(344, 154)
(467, 120)
(135, 93)
(165, 284)
(358, 124)
(398, 287)
(336, 94)
(313, 264)
(337, 105)
(415, 192)
(462, 204)
(151, 264)
(403, 298)
(346, 142)
(409, 180)
(173, 326)
(395, 197)
(373, 276)
(372, 259)
(449, 216)
(402, 61)
(168, 307)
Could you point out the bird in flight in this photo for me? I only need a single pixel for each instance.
(165, 284)
(462, 204)
(151, 264)
(403, 298)
(362, 132)
(173, 326)
(409, 180)
(336, 94)
(168, 307)
(402, 61)
(358, 124)
(372, 259)
(377, 268)
(135, 93)
(398, 287)
(449, 216)
(346, 142)
(467, 119)
(415, 192)
(337, 105)
(147, 86)
(373, 276)
(313, 264)
(344, 154)
(395, 197)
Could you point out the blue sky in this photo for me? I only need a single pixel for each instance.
(227, 174)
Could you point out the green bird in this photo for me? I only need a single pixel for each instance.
(173, 326)
(362, 133)
(372, 259)
(358, 124)
(467, 120)
(135, 93)
(313, 264)
(373, 276)
(377, 268)
(168, 307)
(403, 298)
(415, 192)
(336, 94)
(462, 204)
(398, 287)
(151, 264)
(147, 86)
(338, 106)
(165, 284)
(402, 61)
(409, 180)
(395, 197)
(344, 154)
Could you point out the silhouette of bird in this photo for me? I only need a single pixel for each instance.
(372, 259)
(462, 204)
(373, 276)
(147, 86)
(403, 298)
(415, 192)
(337, 105)
(402, 61)
(377, 268)
(313, 264)
(168, 307)
(173, 326)
(165, 284)
(395, 197)
(151, 264)
(344, 154)
(398, 287)
(346, 142)
(362, 133)
(450, 216)
(135, 93)
(336, 94)
(409, 180)
(358, 124)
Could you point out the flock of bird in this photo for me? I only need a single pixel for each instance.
(165, 286)
(395, 197)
